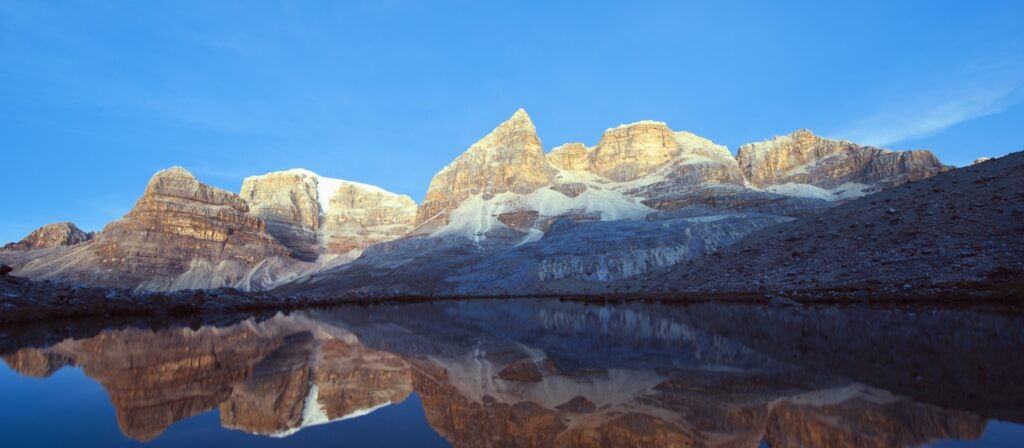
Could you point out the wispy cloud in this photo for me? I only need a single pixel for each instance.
(974, 91)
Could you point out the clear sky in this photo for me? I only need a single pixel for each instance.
(96, 96)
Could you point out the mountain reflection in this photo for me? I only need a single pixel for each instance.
(546, 373)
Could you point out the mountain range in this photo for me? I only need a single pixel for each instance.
(506, 218)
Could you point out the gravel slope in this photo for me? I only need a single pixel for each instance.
(963, 225)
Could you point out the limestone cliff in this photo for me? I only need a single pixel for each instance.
(570, 156)
(314, 215)
(632, 151)
(287, 202)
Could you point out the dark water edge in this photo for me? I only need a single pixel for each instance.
(569, 374)
(23, 301)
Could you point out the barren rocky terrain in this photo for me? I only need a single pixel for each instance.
(960, 226)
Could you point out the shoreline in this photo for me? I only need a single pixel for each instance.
(24, 301)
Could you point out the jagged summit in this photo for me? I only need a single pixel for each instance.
(510, 158)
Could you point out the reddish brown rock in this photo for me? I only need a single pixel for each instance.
(181, 234)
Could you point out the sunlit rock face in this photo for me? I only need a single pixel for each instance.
(509, 159)
(180, 220)
(632, 151)
(181, 234)
(358, 216)
(314, 215)
(570, 156)
(51, 235)
(806, 159)
(287, 202)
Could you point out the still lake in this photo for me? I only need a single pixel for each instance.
(524, 373)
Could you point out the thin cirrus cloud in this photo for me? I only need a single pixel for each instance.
(978, 91)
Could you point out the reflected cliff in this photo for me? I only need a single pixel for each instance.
(548, 373)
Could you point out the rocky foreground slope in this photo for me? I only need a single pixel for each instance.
(964, 225)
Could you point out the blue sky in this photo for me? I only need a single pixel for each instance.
(96, 96)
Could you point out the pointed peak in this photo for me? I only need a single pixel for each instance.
(518, 122)
(518, 119)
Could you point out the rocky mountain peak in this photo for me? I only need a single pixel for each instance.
(177, 182)
(51, 235)
(634, 150)
(181, 234)
(804, 158)
(510, 158)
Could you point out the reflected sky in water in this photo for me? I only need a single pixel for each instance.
(527, 373)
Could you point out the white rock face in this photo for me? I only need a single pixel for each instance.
(314, 215)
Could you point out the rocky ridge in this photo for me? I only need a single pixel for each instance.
(489, 215)
(665, 197)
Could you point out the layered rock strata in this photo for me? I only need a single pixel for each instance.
(181, 234)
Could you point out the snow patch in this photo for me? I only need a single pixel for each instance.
(476, 215)
(314, 414)
(327, 186)
(845, 191)
(635, 123)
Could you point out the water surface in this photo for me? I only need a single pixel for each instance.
(528, 373)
